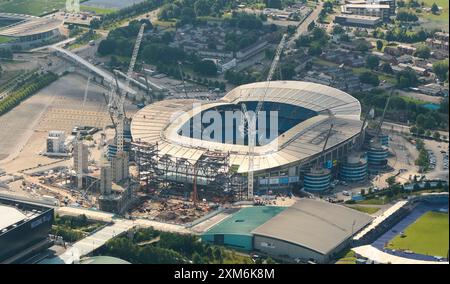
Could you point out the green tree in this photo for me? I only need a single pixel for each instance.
(386, 68)
(406, 78)
(338, 30)
(218, 255)
(287, 71)
(206, 67)
(197, 259)
(106, 47)
(379, 45)
(440, 68)
(315, 49)
(405, 16)
(311, 26)
(303, 40)
(423, 51)
(390, 181)
(202, 7)
(434, 8)
(369, 78)
(372, 61)
(436, 135)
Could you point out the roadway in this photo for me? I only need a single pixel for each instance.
(108, 77)
(303, 27)
(439, 172)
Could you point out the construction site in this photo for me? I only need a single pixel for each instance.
(99, 151)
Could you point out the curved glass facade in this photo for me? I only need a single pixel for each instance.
(317, 181)
(377, 156)
(354, 172)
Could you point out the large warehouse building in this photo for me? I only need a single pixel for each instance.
(309, 230)
(298, 119)
(236, 230)
(24, 229)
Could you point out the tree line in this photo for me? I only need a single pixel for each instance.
(34, 84)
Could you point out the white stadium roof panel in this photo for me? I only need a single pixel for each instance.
(153, 124)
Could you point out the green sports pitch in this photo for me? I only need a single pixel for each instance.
(31, 7)
(427, 235)
(41, 7)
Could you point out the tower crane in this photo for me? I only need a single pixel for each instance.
(317, 166)
(251, 121)
(180, 66)
(117, 101)
(378, 129)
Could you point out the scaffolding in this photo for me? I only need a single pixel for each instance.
(211, 172)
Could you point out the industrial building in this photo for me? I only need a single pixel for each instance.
(56, 143)
(309, 230)
(24, 229)
(168, 150)
(235, 231)
(383, 11)
(357, 21)
(391, 3)
(28, 31)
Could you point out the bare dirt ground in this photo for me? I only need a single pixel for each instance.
(60, 106)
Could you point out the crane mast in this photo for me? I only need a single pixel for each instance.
(324, 146)
(251, 121)
(378, 130)
(120, 108)
(180, 67)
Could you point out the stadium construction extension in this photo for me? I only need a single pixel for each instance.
(182, 140)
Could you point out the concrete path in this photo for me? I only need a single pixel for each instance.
(376, 255)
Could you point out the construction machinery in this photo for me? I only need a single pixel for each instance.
(180, 66)
(116, 109)
(251, 120)
(121, 107)
(378, 129)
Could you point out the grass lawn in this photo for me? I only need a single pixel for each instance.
(348, 258)
(31, 7)
(233, 257)
(165, 24)
(381, 76)
(4, 39)
(96, 10)
(413, 100)
(365, 209)
(428, 235)
(440, 20)
(373, 201)
(324, 62)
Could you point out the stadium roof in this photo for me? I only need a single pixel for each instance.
(30, 26)
(103, 260)
(9, 216)
(245, 220)
(317, 225)
(161, 121)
